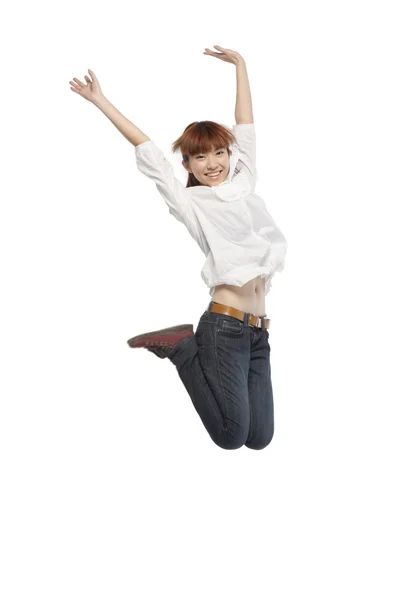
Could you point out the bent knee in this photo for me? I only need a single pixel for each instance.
(232, 438)
(260, 443)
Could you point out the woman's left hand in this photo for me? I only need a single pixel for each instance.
(225, 54)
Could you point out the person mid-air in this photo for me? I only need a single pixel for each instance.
(224, 364)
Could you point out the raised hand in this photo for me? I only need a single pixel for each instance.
(91, 91)
(225, 54)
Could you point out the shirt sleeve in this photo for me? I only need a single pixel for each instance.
(151, 162)
(246, 141)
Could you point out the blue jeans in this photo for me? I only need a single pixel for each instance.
(225, 368)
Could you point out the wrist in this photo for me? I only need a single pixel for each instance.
(100, 101)
(240, 62)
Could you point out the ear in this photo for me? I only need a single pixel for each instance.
(186, 166)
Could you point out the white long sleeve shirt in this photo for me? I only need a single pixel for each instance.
(229, 221)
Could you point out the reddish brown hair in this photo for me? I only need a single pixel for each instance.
(200, 137)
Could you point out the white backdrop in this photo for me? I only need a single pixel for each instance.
(111, 486)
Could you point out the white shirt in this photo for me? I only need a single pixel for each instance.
(228, 221)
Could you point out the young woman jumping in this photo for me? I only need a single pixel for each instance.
(225, 364)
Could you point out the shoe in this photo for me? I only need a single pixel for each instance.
(162, 341)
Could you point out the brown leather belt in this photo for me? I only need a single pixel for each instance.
(224, 309)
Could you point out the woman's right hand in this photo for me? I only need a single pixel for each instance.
(91, 91)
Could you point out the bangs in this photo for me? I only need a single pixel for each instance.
(203, 137)
(203, 145)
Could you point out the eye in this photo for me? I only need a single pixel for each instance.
(201, 155)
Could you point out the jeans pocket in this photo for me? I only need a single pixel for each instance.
(231, 327)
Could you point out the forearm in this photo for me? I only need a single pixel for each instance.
(132, 133)
(244, 108)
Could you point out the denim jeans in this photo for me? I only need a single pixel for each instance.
(225, 368)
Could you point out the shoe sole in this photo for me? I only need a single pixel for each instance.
(135, 341)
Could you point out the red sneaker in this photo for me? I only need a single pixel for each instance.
(162, 341)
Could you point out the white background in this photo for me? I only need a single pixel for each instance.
(110, 485)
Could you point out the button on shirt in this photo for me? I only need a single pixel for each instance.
(229, 221)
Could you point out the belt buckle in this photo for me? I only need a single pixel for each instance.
(259, 323)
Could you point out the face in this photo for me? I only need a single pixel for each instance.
(203, 165)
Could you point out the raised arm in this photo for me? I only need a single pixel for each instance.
(244, 107)
(244, 129)
(132, 133)
(92, 92)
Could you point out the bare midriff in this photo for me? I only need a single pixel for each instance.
(249, 298)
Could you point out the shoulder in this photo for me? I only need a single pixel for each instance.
(243, 129)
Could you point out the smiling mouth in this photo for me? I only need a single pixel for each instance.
(215, 175)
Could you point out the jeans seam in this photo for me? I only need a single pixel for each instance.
(217, 416)
(219, 374)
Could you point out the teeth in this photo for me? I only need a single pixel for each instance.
(216, 175)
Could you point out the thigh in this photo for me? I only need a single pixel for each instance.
(224, 352)
(261, 399)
